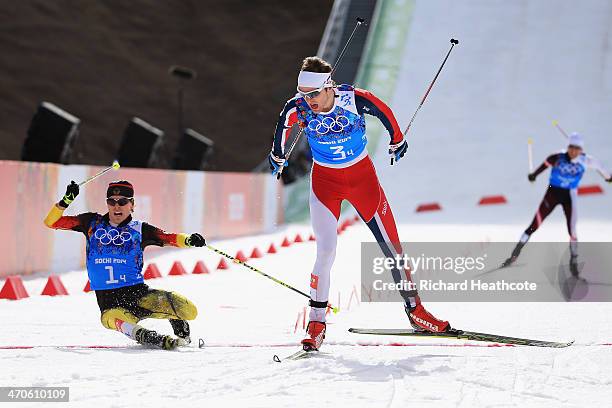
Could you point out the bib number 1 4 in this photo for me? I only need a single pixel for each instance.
(111, 276)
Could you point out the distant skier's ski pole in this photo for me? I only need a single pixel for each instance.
(453, 43)
(530, 154)
(559, 128)
(280, 282)
(358, 24)
(114, 166)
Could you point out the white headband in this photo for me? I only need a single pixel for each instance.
(309, 79)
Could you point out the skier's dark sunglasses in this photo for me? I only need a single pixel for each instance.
(122, 201)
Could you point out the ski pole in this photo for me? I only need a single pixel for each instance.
(559, 128)
(453, 43)
(530, 154)
(280, 282)
(359, 22)
(114, 166)
(297, 137)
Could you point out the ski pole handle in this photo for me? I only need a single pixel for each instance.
(114, 166)
(530, 154)
(280, 282)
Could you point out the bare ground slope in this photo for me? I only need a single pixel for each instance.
(107, 61)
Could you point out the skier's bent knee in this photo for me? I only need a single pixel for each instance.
(187, 311)
(183, 307)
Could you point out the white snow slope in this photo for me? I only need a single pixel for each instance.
(240, 308)
(519, 65)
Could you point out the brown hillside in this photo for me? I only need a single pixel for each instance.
(106, 61)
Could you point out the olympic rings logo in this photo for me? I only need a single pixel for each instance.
(569, 168)
(329, 124)
(112, 236)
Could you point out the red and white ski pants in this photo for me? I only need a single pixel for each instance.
(359, 185)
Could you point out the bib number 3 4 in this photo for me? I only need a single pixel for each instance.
(339, 153)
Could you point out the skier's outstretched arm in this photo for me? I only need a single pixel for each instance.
(155, 236)
(57, 220)
(593, 163)
(550, 161)
(368, 103)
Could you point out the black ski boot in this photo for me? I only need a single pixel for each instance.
(181, 330)
(152, 338)
(573, 264)
(515, 254)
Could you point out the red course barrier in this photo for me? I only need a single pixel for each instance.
(54, 287)
(177, 269)
(272, 249)
(222, 264)
(13, 289)
(256, 253)
(428, 207)
(200, 268)
(152, 272)
(241, 256)
(492, 200)
(590, 189)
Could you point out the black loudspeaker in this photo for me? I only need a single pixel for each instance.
(140, 145)
(51, 135)
(193, 151)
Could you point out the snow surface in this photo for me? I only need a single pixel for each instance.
(519, 65)
(240, 308)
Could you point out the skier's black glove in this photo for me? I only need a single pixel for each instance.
(609, 180)
(277, 162)
(195, 240)
(397, 151)
(72, 191)
(531, 177)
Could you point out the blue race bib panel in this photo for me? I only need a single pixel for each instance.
(114, 255)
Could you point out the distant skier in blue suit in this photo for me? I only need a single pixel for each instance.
(568, 167)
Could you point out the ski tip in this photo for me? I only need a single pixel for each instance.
(201, 343)
(276, 358)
